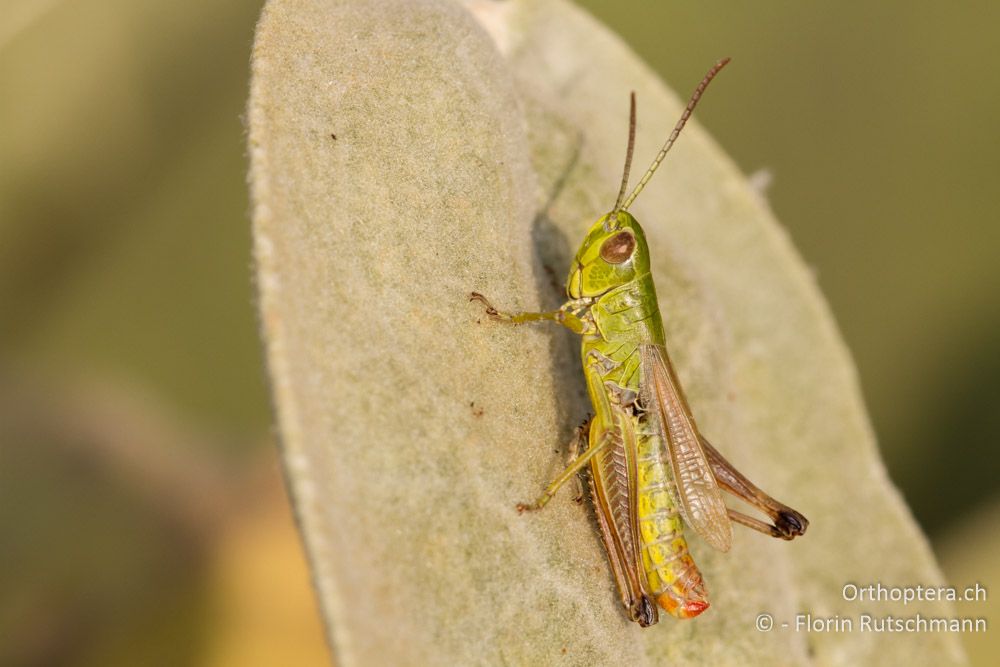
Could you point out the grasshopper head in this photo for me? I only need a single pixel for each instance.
(613, 254)
(615, 250)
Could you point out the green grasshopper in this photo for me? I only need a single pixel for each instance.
(651, 470)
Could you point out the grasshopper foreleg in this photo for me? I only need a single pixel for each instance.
(566, 315)
(574, 467)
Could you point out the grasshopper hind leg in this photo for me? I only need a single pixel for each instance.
(787, 526)
(645, 613)
(788, 523)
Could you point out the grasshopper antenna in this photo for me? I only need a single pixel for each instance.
(692, 103)
(628, 153)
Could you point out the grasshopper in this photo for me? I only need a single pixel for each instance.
(650, 469)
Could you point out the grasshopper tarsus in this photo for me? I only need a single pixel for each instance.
(646, 614)
(790, 524)
(490, 310)
(542, 501)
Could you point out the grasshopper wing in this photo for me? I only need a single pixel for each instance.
(700, 497)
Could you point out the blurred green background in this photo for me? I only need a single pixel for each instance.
(144, 519)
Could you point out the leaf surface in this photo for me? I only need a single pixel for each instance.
(404, 153)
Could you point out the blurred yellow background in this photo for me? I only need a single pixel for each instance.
(143, 511)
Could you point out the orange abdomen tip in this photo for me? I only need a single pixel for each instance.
(692, 608)
(685, 609)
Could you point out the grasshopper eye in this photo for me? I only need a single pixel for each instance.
(618, 248)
